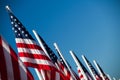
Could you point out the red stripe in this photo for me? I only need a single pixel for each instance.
(34, 56)
(40, 66)
(63, 77)
(2, 61)
(47, 74)
(15, 64)
(62, 67)
(53, 73)
(31, 46)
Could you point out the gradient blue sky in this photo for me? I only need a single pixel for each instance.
(89, 27)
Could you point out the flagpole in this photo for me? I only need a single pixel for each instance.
(83, 57)
(41, 44)
(78, 64)
(109, 76)
(8, 8)
(39, 41)
(99, 70)
(114, 78)
(39, 74)
(59, 52)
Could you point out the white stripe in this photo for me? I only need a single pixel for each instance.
(25, 41)
(65, 71)
(32, 51)
(43, 74)
(80, 73)
(23, 70)
(37, 61)
(57, 76)
(71, 78)
(8, 61)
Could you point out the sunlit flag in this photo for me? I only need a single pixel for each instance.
(30, 53)
(82, 71)
(11, 67)
(53, 57)
(93, 71)
(102, 73)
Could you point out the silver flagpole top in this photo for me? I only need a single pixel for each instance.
(8, 8)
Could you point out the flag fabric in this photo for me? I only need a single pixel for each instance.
(82, 71)
(74, 73)
(60, 64)
(94, 72)
(89, 77)
(11, 67)
(102, 72)
(68, 72)
(29, 51)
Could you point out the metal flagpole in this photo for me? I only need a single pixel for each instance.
(59, 52)
(83, 57)
(78, 64)
(41, 44)
(39, 41)
(109, 77)
(114, 78)
(37, 72)
(99, 70)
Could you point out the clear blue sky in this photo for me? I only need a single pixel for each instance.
(89, 27)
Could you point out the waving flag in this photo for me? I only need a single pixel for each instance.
(11, 67)
(30, 53)
(102, 73)
(54, 58)
(93, 71)
(82, 71)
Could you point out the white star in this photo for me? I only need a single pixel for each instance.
(11, 22)
(19, 34)
(26, 35)
(15, 20)
(15, 31)
(18, 23)
(11, 17)
(15, 25)
(22, 31)
(13, 28)
(19, 28)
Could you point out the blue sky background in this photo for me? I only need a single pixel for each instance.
(89, 27)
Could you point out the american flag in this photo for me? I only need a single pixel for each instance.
(103, 75)
(82, 71)
(11, 67)
(29, 51)
(59, 63)
(63, 63)
(92, 69)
